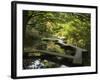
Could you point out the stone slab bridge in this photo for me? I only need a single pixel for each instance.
(76, 58)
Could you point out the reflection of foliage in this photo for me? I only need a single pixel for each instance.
(49, 64)
(74, 27)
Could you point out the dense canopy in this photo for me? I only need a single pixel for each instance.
(73, 28)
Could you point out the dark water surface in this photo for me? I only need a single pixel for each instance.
(38, 63)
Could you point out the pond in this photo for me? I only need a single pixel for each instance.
(39, 63)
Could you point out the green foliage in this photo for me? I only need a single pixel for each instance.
(74, 27)
(54, 48)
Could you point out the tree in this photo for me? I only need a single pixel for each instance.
(73, 27)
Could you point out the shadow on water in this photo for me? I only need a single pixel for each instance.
(46, 61)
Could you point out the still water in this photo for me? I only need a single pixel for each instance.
(37, 63)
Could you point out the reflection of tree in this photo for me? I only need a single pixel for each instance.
(73, 27)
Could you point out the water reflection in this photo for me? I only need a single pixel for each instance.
(36, 64)
(41, 63)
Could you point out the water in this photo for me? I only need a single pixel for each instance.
(41, 63)
(37, 64)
